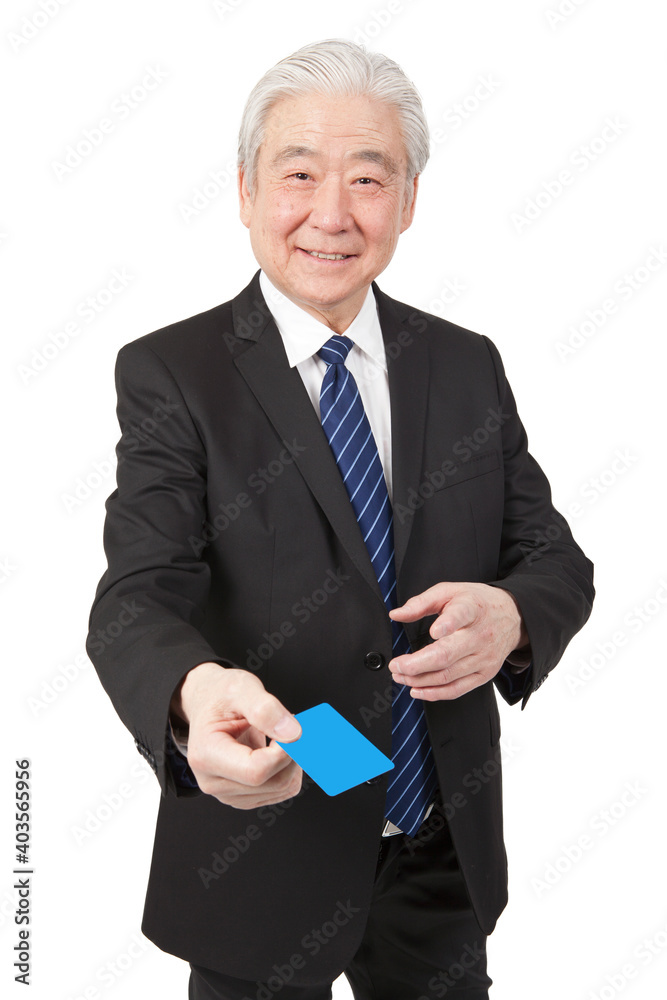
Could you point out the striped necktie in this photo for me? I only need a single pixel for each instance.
(414, 780)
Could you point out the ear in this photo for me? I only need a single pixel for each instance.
(245, 201)
(409, 209)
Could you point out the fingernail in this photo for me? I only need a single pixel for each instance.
(288, 728)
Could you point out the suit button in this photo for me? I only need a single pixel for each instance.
(374, 781)
(373, 660)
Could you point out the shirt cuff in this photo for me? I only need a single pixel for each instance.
(180, 739)
(519, 660)
(178, 750)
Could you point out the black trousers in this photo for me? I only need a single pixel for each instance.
(422, 940)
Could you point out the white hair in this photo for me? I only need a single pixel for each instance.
(338, 68)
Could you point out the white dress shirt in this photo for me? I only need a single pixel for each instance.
(303, 336)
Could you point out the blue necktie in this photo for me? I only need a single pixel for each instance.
(414, 780)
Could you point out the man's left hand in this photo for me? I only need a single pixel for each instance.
(476, 629)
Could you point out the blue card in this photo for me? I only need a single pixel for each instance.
(335, 754)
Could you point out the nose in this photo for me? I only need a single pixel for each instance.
(331, 207)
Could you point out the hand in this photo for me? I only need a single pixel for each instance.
(230, 714)
(476, 628)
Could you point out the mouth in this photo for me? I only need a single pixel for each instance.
(321, 255)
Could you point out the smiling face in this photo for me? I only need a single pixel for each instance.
(331, 180)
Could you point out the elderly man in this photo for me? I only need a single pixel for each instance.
(336, 505)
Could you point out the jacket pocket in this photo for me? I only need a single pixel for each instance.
(471, 468)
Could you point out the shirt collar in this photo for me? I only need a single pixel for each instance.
(303, 335)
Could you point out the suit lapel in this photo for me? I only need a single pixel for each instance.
(408, 369)
(281, 393)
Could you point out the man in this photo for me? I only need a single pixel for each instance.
(252, 575)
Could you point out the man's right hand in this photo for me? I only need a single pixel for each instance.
(230, 713)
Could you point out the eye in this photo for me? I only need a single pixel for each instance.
(300, 175)
(365, 181)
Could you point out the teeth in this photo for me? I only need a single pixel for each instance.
(328, 256)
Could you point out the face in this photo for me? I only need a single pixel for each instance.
(331, 180)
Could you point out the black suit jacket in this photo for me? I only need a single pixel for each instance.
(231, 538)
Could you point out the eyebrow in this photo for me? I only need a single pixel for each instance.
(364, 155)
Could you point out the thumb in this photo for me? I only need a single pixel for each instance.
(287, 729)
(270, 716)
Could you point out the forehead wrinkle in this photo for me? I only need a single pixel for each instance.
(292, 152)
(295, 151)
(374, 156)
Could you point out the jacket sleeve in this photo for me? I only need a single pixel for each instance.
(143, 629)
(541, 565)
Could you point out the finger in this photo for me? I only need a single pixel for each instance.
(461, 612)
(246, 696)
(279, 788)
(221, 755)
(429, 602)
(449, 692)
(444, 654)
(284, 784)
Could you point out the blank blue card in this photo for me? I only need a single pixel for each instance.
(335, 754)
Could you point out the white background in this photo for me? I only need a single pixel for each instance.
(552, 83)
